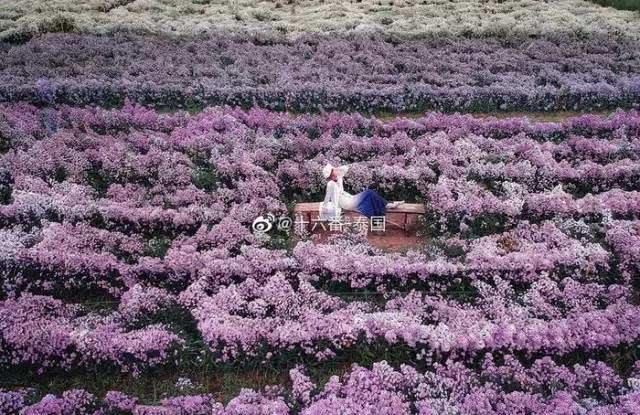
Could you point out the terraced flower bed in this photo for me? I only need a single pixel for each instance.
(142, 141)
(524, 299)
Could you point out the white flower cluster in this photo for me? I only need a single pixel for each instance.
(428, 18)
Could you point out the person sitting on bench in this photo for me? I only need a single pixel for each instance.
(368, 202)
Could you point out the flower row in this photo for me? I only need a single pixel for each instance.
(264, 22)
(268, 318)
(316, 72)
(546, 387)
(42, 333)
(56, 259)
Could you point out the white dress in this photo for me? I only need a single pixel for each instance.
(336, 198)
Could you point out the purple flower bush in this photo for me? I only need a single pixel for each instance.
(321, 72)
(524, 300)
(44, 332)
(542, 388)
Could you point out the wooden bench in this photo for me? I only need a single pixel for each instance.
(313, 208)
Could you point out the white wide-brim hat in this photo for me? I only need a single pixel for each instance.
(326, 170)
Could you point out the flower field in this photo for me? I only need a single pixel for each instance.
(21, 19)
(321, 72)
(529, 279)
(139, 141)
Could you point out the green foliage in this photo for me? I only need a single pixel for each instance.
(5, 144)
(6, 188)
(409, 193)
(109, 5)
(111, 101)
(99, 180)
(5, 194)
(57, 23)
(205, 178)
(313, 133)
(157, 246)
(204, 175)
(262, 15)
(280, 240)
(620, 4)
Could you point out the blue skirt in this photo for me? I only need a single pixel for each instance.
(370, 203)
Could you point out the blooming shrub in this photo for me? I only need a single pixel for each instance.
(44, 333)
